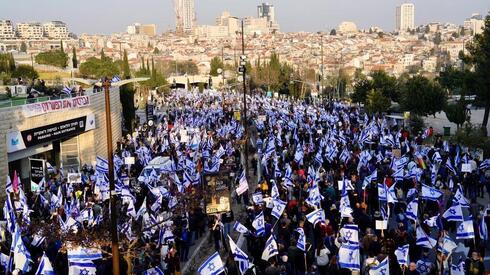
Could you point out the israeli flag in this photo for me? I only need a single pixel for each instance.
(482, 228)
(401, 254)
(465, 230)
(257, 198)
(412, 209)
(349, 256)
(314, 197)
(240, 227)
(315, 216)
(424, 240)
(460, 198)
(447, 245)
(50, 168)
(274, 190)
(350, 232)
(382, 269)
(86, 267)
(299, 154)
(154, 271)
(259, 224)
(45, 267)
(22, 257)
(485, 164)
(458, 269)
(239, 256)
(270, 248)
(432, 221)
(102, 165)
(66, 90)
(83, 254)
(454, 213)
(212, 266)
(345, 208)
(278, 208)
(301, 244)
(115, 78)
(429, 193)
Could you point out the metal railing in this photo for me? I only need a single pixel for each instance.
(23, 101)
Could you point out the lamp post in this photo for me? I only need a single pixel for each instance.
(110, 160)
(243, 70)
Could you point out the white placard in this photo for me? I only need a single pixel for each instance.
(466, 167)
(74, 178)
(381, 225)
(348, 185)
(129, 160)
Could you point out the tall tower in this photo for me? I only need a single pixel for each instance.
(405, 17)
(267, 11)
(185, 16)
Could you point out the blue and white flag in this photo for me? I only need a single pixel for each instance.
(350, 232)
(115, 78)
(381, 192)
(460, 198)
(257, 198)
(412, 209)
(465, 230)
(239, 256)
(45, 267)
(458, 269)
(22, 257)
(482, 228)
(401, 254)
(270, 248)
(316, 216)
(299, 154)
(102, 165)
(154, 271)
(430, 193)
(349, 256)
(212, 266)
(278, 208)
(447, 245)
(240, 227)
(83, 254)
(274, 190)
(424, 240)
(86, 267)
(301, 244)
(66, 90)
(345, 208)
(434, 221)
(259, 224)
(454, 213)
(485, 165)
(382, 268)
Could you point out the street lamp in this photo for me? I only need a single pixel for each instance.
(243, 70)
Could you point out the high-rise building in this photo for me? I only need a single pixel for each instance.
(55, 29)
(137, 28)
(30, 30)
(185, 16)
(475, 23)
(6, 29)
(267, 11)
(405, 17)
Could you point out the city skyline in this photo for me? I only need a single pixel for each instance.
(322, 14)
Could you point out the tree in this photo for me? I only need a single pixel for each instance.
(457, 113)
(156, 51)
(422, 96)
(74, 58)
(386, 83)
(98, 68)
(128, 109)
(216, 64)
(23, 47)
(55, 58)
(479, 57)
(437, 38)
(62, 49)
(25, 71)
(102, 54)
(361, 89)
(333, 32)
(125, 66)
(376, 102)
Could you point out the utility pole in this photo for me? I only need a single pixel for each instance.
(110, 160)
(243, 64)
(321, 65)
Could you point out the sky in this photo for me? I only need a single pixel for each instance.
(108, 16)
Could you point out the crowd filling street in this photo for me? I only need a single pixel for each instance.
(329, 189)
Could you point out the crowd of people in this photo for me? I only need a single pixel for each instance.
(330, 189)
